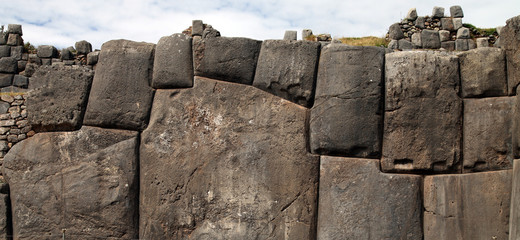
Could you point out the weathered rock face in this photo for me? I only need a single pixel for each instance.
(514, 217)
(121, 96)
(58, 98)
(228, 59)
(357, 201)
(483, 72)
(487, 131)
(173, 66)
(423, 113)
(84, 182)
(467, 206)
(226, 161)
(346, 118)
(288, 69)
(5, 212)
(510, 40)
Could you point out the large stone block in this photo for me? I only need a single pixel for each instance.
(357, 201)
(456, 11)
(83, 47)
(228, 59)
(173, 64)
(84, 182)
(226, 161)
(487, 136)
(14, 28)
(5, 51)
(430, 39)
(58, 98)
(290, 35)
(47, 51)
(6, 80)
(288, 69)
(8, 65)
(514, 216)
(347, 115)
(395, 32)
(510, 40)
(121, 96)
(483, 72)
(467, 206)
(423, 112)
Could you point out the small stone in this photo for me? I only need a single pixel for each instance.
(419, 22)
(5, 116)
(306, 33)
(14, 131)
(456, 11)
(412, 14)
(21, 65)
(92, 58)
(444, 35)
(405, 44)
(33, 58)
(83, 47)
(21, 137)
(4, 130)
(26, 129)
(12, 139)
(290, 35)
(463, 33)
(482, 42)
(395, 32)
(197, 28)
(462, 44)
(394, 44)
(22, 123)
(31, 133)
(3, 146)
(416, 40)
(438, 12)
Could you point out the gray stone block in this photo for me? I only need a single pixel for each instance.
(14, 40)
(514, 216)
(416, 40)
(430, 39)
(5, 51)
(456, 11)
(92, 58)
(197, 27)
(15, 29)
(173, 64)
(482, 42)
(290, 35)
(5, 80)
(46, 61)
(457, 23)
(475, 206)
(20, 81)
(405, 44)
(510, 39)
(66, 54)
(393, 44)
(83, 47)
(395, 32)
(483, 72)
(17, 52)
(121, 96)
(306, 33)
(8, 65)
(419, 22)
(3, 38)
(47, 51)
(462, 44)
(412, 14)
(241, 150)
(228, 59)
(346, 118)
(444, 35)
(447, 24)
(287, 69)
(21, 65)
(355, 197)
(487, 136)
(5, 213)
(438, 12)
(423, 112)
(463, 33)
(58, 98)
(85, 182)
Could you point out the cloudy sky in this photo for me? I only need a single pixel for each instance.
(63, 22)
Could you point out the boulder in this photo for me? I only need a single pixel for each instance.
(15, 29)
(58, 98)
(487, 136)
(416, 40)
(288, 69)
(346, 118)
(5, 51)
(423, 112)
(483, 72)
(197, 28)
(510, 40)
(20, 81)
(412, 14)
(393, 44)
(306, 33)
(430, 39)
(456, 11)
(227, 59)
(395, 32)
(83, 47)
(6, 79)
(121, 96)
(514, 216)
(444, 36)
(232, 164)
(419, 22)
(405, 44)
(92, 58)
(84, 182)
(438, 12)
(463, 33)
(173, 64)
(457, 23)
(357, 201)
(447, 24)
(474, 206)
(290, 35)
(47, 51)
(66, 54)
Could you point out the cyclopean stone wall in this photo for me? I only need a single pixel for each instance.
(208, 137)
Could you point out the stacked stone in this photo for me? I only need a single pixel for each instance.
(81, 55)
(431, 32)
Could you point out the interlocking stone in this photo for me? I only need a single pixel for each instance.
(8, 65)
(444, 35)
(483, 72)
(6, 79)
(419, 22)
(474, 206)
(423, 112)
(510, 39)
(58, 98)
(462, 44)
(346, 118)
(288, 69)
(357, 201)
(92, 58)
(430, 39)
(228, 59)
(121, 96)
(463, 33)
(17, 52)
(14, 39)
(482, 42)
(5, 51)
(447, 24)
(66, 54)
(457, 23)
(226, 161)
(416, 40)
(85, 182)
(173, 67)
(20, 81)
(405, 44)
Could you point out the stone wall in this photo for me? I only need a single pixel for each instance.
(207, 137)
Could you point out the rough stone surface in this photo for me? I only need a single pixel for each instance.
(467, 206)
(456, 11)
(197, 28)
(510, 40)
(483, 72)
(416, 40)
(14, 40)
(419, 22)
(395, 32)
(306, 33)
(6, 79)
(412, 14)
(14, 28)
(423, 112)
(85, 182)
(346, 118)
(444, 35)
(514, 216)
(482, 42)
(58, 98)
(66, 54)
(288, 69)
(17, 52)
(228, 59)
(462, 44)
(447, 24)
(463, 33)
(21, 81)
(457, 23)
(487, 136)
(92, 58)
(290, 35)
(8, 65)
(405, 44)
(173, 66)
(226, 161)
(47, 51)
(393, 44)
(5, 213)
(5, 51)
(83, 47)
(120, 96)
(430, 39)
(357, 201)
(438, 12)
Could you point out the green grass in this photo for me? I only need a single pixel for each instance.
(482, 31)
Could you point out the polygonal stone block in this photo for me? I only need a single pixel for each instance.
(47, 51)
(483, 72)
(430, 39)
(510, 39)
(173, 64)
(83, 47)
